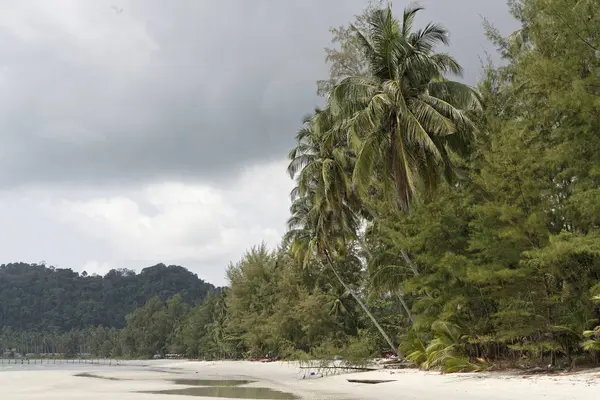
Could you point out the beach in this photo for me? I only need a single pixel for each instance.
(280, 380)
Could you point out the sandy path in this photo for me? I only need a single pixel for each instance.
(408, 384)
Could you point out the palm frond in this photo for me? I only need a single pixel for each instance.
(447, 64)
(456, 115)
(402, 175)
(427, 38)
(351, 94)
(457, 94)
(433, 122)
(365, 161)
(408, 18)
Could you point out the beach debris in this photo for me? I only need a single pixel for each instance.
(370, 381)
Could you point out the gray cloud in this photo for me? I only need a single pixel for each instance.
(189, 90)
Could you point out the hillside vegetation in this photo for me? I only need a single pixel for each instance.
(40, 298)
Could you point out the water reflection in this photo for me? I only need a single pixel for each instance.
(210, 382)
(88, 375)
(231, 392)
(215, 388)
(187, 382)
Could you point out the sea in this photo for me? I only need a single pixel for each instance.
(83, 364)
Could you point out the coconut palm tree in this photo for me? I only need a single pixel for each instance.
(323, 217)
(323, 196)
(321, 155)
(405, 118)
(310, 232)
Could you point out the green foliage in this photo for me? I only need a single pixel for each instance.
(404, 118)
(417, 352)
(357, 351)
(592, 342)
(277, 307)
(509, 253)
(36, 297)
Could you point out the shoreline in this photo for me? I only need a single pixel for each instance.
(123, 381)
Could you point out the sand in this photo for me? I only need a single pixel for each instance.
(63, 384)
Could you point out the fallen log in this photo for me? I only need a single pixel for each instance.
(369, 381)
(339, 367)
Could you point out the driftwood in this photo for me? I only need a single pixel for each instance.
(370, 381)
(398, 365)
(539, 370)
(338, 367)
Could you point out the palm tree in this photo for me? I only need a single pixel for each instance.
(323, 217)
(323, 196)
(405, 118)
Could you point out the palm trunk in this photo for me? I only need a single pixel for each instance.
(361, 304)
(410, 263)
(415, 271)
(408, 312)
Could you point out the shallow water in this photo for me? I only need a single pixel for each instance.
(211, 382)
(185, 382)
(34, 365)
(231, 392)
(108, 378)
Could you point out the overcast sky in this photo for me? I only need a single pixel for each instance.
(145, 131)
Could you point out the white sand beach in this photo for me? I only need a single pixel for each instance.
(117, 383)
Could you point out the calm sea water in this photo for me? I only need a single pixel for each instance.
(32, 365)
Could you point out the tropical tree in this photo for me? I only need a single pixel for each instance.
(324, 219)
(404, 119)
(321, 164)
(399, 122)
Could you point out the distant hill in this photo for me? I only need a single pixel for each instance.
(38, 297)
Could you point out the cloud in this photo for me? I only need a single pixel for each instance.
(158, 92)
(93, 267)
(194, 224)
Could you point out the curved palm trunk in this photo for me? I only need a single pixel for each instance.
(410, 263)
(361, 304)
(400, 294)
(405, 306)
(415, 271)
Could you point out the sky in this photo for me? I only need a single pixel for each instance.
(145, 131)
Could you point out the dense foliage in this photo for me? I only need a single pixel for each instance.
(501, 264)
(458, 226)
(35, 297)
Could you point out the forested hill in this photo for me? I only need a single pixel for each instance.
(38, 297)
